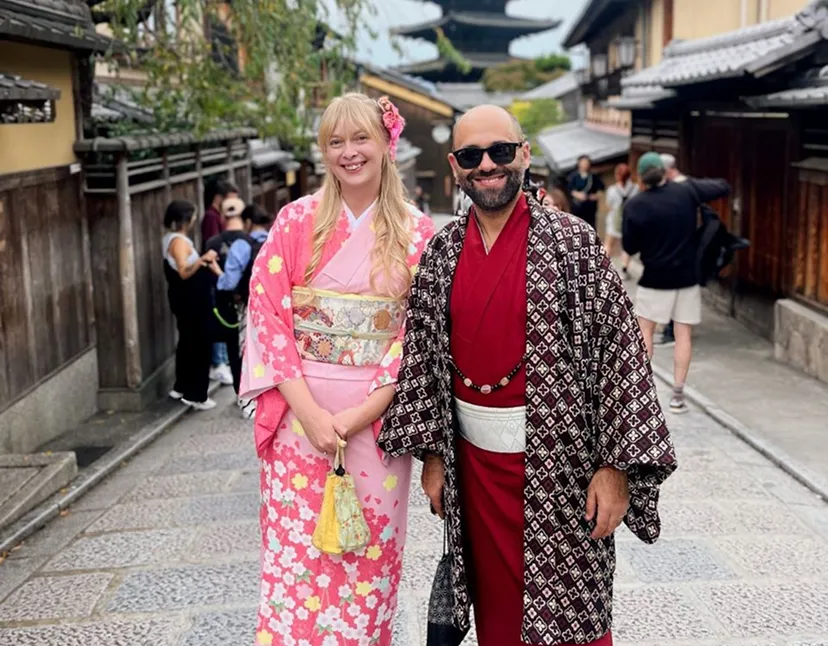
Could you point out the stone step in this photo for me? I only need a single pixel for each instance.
(26, 480)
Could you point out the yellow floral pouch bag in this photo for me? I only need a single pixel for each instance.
(341, 527)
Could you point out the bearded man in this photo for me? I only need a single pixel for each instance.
(526, 389)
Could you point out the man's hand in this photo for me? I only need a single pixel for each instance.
(434, 477)
(608, 498)
(579, 195)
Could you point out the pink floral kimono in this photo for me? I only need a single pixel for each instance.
(346, 343)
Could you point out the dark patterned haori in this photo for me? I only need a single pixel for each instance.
(590, 402)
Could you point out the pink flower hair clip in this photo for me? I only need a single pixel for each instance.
(394, 124)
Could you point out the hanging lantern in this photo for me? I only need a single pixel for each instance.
(582, 75)
(627, 49)
(599, 65)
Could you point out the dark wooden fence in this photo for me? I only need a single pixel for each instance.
(46, 314)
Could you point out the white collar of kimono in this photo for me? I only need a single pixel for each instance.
(353, 221)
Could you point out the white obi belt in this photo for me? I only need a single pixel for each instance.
(499, 430)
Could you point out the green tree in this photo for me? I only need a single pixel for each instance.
(521, 75)
(536, 116)
(215, 63)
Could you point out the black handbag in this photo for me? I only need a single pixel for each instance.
(441, 628)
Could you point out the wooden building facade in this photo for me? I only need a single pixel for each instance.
(429, 120)
(759, 123)
(47, 320)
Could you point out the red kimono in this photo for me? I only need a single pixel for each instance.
(488, 339)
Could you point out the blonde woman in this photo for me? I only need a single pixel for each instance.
(325, 328)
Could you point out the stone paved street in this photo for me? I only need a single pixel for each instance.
(165, 553)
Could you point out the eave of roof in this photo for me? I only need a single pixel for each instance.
(398, 77)
(493, 20)
(53, 22)
(810, 91)
(555, 89)
(15, 88)
(751, 51)
(562, 145)
(127, 144)
(587, 20)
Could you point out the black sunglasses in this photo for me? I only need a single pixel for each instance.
(500, 153)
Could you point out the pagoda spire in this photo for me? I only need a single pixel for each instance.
(480, 30)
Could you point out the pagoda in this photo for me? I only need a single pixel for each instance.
(479, 29)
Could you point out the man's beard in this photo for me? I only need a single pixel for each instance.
(492, 199)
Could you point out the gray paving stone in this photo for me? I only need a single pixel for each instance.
(226, 540)
(419, 568)
(108, 493)
(56, 535)
(187, 587)
(179, 486)
(55, 597)
(219, 443)
(784, 557)
(816, 518)
(782, 486)
(122, 550)
(424, 529)
(661, 615)
(704, 459)
(669, 561)
(214, 509)
(14, 572)
(769, 610)
(222, 629)
(713, 485)
(157, 631)
(143, 515)
(247, 481)
(235, 461)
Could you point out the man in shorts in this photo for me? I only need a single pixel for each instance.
(660, 224)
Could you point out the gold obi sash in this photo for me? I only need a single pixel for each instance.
(345, 329)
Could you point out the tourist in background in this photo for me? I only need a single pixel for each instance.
(585, 189)
(189, 285)
(213, 224)
(617, 196)
(661, 224)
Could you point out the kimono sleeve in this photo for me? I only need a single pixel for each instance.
(390, 366)
(632, 432)
(415, 421)
(271, 357)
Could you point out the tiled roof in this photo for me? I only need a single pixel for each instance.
(562, 145)
(737, 53)
(416, 84)
(555, 89)
(14, 88)
(493, 19)
(111, 99)
(476, 59)
(810, 91)
(64, 23)
(144, 142)
(468, 95)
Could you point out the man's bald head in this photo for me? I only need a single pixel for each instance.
(486, 119)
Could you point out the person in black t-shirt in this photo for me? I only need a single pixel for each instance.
(661, 224)
(584, 190)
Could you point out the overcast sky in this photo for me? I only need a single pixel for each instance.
(392, 13)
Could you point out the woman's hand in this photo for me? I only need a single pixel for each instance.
(318, 425)
(209, 257)
(349, 422)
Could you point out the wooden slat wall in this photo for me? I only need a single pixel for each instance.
(810, 275)
(44, 322)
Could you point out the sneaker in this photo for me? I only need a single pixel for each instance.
(222, 375)
(665, 341)
(248, 408)
(174, 394)
(207, 404)
(677, 405)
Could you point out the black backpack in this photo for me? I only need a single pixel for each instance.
(716, 246)
(243, 288)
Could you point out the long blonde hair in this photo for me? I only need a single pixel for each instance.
(392, 220)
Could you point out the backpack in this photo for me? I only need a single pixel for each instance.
(225, 302)
(243, 288)
(716, 245)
